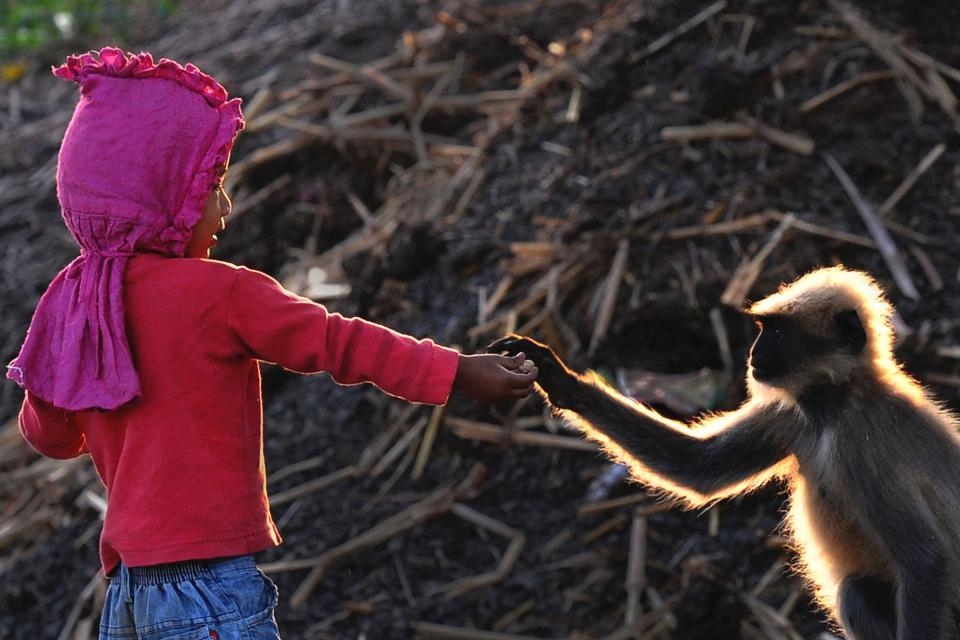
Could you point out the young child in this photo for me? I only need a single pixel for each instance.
(145, 354)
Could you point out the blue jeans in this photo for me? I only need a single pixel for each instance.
(222, 599)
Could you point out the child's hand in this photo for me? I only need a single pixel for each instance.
(488, 377)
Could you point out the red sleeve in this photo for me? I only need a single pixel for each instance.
(51, 431)
(275, 325)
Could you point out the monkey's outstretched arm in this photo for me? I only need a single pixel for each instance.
(725, 455)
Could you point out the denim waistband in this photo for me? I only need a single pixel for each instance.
(179, 571)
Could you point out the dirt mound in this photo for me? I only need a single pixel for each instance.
(616, 178)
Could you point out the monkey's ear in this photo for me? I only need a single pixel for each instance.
(851, 329)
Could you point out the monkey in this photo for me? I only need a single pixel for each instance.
(870, 460)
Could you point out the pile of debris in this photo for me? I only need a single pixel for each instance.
(615, 178)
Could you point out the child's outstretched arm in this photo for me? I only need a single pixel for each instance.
(274, 325)
(488, 377)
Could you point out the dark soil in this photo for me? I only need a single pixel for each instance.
(579, 184)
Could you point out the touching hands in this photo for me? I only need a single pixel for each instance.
(557, 382)
(488, 377)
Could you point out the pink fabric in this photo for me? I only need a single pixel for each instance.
(137, 162)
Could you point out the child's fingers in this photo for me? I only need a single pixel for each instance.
(512, 363)
(527, 371)
(524, 379)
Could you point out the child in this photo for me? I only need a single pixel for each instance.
(145, 354)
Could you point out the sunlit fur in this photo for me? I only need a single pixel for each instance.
(815, 562)
(708, 425)
(876, 453)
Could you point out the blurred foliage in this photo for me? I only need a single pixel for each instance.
(30, 26)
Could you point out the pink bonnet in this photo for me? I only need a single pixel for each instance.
(137, 163)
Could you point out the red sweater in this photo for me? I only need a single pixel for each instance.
(183, 464)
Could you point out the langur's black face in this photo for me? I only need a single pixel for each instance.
(783, 347)
(776, 350)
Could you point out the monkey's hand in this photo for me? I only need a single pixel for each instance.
(557, 382)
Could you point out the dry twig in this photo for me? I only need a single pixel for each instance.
(922, 167)
(749, 270)
(426, 445)
(611, 287)
(888, 249)
(636, 563)
(687, 26)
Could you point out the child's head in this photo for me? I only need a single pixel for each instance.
(145, 147)
(140, 171)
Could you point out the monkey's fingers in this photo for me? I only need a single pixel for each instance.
(514, 344)
(508, 345)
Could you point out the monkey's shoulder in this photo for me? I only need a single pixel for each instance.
(860, 401)
(849, 427)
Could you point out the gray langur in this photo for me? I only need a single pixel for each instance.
(871, 460)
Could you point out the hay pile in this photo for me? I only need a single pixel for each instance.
(611, 177)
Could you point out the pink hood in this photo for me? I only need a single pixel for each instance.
(136, 165)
